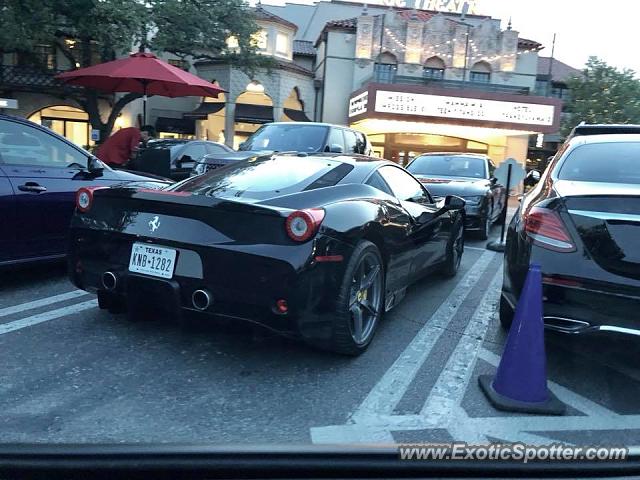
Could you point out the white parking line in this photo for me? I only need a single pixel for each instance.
(475, 249)
(41, 302)
(46, 316)
(389, 390)
(373, 420)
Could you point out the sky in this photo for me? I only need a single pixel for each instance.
(609, 30)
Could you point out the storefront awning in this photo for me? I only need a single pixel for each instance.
(296, 115)
(257, 114)
(204, 109)
(186, 126)
(246, 113)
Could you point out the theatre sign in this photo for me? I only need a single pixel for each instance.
(520, 112)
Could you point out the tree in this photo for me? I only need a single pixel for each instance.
(198, 30)
(91, 31)
(604, 94)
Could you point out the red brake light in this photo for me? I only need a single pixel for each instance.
(84, 198)
(301, 225)
(546, 229)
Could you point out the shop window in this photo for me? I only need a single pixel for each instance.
(385, 68)
(433, 69)
(481, 73)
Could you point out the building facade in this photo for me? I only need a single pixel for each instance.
(418, 81)
(414, 80)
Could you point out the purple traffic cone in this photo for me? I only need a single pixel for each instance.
(520, 384)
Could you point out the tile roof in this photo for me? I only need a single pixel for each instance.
(560, 72)
(346, 23)
(262, 14)
(417, 15)
(526, 43)
(303, 47)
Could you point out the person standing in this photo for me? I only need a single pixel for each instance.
(122, 147)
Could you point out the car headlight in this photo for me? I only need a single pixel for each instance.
(475, 200)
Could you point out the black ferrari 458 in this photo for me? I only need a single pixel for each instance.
(319, 246)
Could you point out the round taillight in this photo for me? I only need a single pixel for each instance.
(84, 198)
(84, 201)
(301, 225)
(298, 227)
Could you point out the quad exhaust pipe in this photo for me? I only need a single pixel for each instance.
(201, 300)
(109, 281)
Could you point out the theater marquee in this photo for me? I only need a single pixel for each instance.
(463, 108)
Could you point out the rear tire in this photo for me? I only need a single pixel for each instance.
(360, 302)
(455, 249)
(506, 314)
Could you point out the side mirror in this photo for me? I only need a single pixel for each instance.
(184, 159)
(94, 165)
(452, 202)
(335, 148)
(493, 180)
(242, 146)
(532, 178)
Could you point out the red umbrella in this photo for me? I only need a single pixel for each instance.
(141, 73)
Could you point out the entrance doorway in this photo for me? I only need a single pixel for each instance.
(404, 147)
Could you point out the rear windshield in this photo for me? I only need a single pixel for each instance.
(603, 162)
(448, 166)
(266, 177)
(287, 138)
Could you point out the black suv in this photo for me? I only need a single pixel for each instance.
(305, 137)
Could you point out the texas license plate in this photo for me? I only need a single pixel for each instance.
(152, 260)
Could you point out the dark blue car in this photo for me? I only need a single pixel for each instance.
(40, 173)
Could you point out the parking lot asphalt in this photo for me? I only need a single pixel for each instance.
(70, 373)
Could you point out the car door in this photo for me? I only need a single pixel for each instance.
(44, 171)
(9, 248)
(427, 233)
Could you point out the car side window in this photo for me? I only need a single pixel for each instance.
(403, 185)
(350, 142)
(376, 181)
(25, 145)
(361, 143)
(335, 139)
(196, 151)
(492, 169)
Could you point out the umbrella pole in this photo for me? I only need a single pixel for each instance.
(144, 105)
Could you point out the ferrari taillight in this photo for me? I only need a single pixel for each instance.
(84, 198)
(301, 225)
(546, 229)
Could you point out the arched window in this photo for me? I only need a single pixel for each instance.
(481, 73)
(433, 69)
(384, 70)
